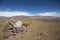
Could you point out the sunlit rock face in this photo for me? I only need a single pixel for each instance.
(18, 24)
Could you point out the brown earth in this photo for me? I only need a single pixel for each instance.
(37, 30)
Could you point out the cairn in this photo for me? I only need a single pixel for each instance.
(11, 29)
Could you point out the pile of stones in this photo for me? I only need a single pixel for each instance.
(7, 31)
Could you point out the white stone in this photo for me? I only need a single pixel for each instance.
(18, 24)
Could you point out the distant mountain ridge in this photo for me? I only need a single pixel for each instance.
(42, 18)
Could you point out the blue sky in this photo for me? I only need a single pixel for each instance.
(30, 7)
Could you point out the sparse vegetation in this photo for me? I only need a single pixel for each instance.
(37, 30)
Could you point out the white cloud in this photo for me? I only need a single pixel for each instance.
(16, 13)
(5, 8)
(9, 14)
(49, 14)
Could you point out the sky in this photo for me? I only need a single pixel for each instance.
(10, 8)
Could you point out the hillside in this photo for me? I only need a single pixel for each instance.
(50, 18)
(39, 28)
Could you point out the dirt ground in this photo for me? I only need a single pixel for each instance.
(37, 30)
